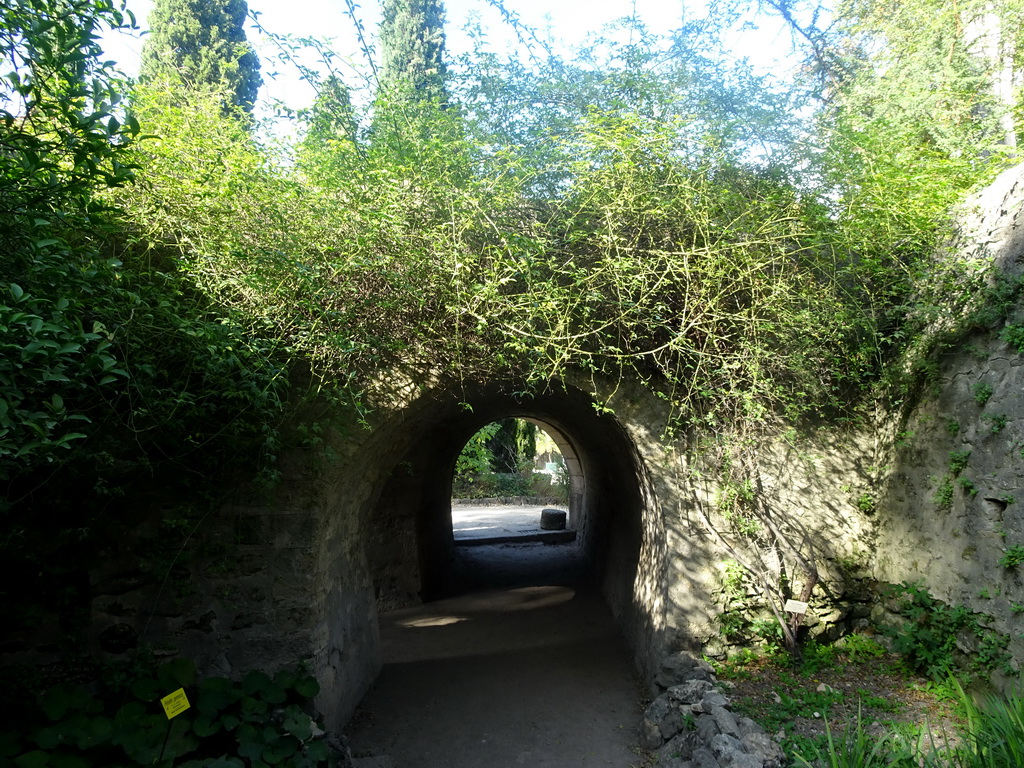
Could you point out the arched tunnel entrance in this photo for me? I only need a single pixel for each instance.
(411, 548)
(506, 675)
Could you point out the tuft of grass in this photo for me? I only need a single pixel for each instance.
(855, 747)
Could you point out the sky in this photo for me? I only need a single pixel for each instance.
(567, 21)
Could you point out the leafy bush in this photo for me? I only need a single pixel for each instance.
(1014, 336)
(928, 639)
(982, 391)
(258, 721)
(958, 461)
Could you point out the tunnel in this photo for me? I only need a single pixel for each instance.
(410, 546)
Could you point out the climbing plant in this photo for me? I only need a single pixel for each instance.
(117, 375)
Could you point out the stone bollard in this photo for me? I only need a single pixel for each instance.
(552, 520)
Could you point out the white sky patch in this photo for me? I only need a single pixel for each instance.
(567, 23)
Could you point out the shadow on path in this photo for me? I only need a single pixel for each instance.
(525, 667)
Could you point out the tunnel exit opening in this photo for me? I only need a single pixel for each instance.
(513, 481)
(411, 544)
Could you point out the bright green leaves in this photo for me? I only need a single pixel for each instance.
(48, 362)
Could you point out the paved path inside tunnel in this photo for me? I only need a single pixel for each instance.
(523, 666)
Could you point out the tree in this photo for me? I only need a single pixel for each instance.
(412, 39)
(204, 42)
(513, 445)
(331, 134)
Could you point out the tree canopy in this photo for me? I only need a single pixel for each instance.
(746, 248)
(203, 43)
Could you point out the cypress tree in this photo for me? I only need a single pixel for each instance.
(204, 41)
(412, 43)
(332, 118)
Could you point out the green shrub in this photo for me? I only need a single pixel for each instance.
(958, 461)
(996, 422)
(944, 493)
(928, 639)
(258, 721)
(1014, 336)
(982, 391)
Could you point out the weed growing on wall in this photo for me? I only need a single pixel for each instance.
(1012, 556)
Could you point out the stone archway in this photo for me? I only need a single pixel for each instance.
(409, 541)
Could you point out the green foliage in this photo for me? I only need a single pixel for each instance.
(734, 587)
(65, 135)
(1014, 336)
(1012, 556)
(953, 427)
(857, 747)
(497, 461)
(994, 732)
(982, 391)
(817, 656)
(258, 721)
(943, 496)
(866, 503)
(860, 648)
(513, 446)
(412, 46)
(202, 44)
(928, 639)
(996, 421)
(958, 461)
(474, 460)
(116, 376)
(967, 486)
(992, 736)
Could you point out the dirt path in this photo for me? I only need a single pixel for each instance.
(528, 669)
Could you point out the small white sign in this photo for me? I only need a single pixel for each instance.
(795, 606)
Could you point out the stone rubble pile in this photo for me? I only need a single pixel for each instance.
(689, 725)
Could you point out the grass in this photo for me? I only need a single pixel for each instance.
(991, 736)
(855, 680)
(861, 707)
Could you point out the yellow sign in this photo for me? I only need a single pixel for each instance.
(175, 703)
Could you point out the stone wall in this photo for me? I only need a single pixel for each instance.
(952, 501)
(361, 521)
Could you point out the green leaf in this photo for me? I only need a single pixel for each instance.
(10, 743)
(177, 673)
(34, 759)
(67, 760)
(253, 750)
(307, 687)
(215, 695)
(147, 689)
(297, 723)
(318, 750)
(205, 726)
